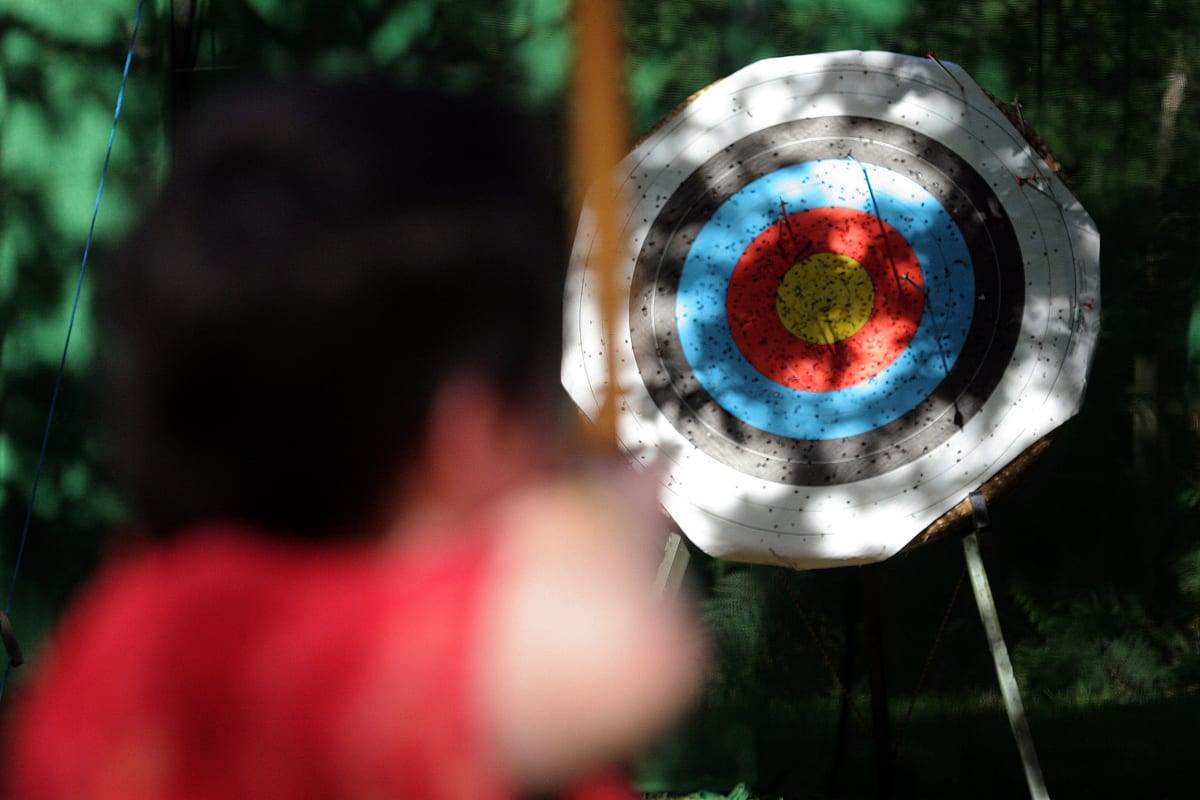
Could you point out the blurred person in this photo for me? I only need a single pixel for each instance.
(330, 375)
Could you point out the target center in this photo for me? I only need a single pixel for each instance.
(825, 298)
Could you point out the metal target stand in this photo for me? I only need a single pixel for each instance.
(781, 452)
(669, 581)
(1004, 670)
(969, 521)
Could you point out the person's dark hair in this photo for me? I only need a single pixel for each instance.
(320, 260)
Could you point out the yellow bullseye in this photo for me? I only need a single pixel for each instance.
(825, 298)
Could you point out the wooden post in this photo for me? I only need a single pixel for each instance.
(842, 738)
(881, 726)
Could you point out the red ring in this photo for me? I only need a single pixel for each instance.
(895, 272)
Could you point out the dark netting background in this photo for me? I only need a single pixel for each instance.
(1095, 559)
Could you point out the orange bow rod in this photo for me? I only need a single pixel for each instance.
(598, 139)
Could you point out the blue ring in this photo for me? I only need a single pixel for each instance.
(745, 392)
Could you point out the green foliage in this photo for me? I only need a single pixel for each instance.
(60, 67)
(1094, 648)
(1187, 640)
(739, 792)
(94, 23)
(1097, 620)
(518, 48)
(1189, 577)
(542, 47)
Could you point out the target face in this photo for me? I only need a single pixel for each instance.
(854, 294)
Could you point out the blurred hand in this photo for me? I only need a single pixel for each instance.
(582, 660)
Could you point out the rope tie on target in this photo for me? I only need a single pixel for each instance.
(12, 648)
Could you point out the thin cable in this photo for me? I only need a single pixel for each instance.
(933, 317)
(62, 365)
(882, 231)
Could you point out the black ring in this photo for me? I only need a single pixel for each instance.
(986, 353)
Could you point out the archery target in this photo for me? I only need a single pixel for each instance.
(854, 294)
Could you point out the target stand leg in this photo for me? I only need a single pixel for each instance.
(1004, 670)
(881, 726)
(673, 566)
(863, 601)
(849, 659)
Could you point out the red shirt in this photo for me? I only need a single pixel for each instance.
(225, 665)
